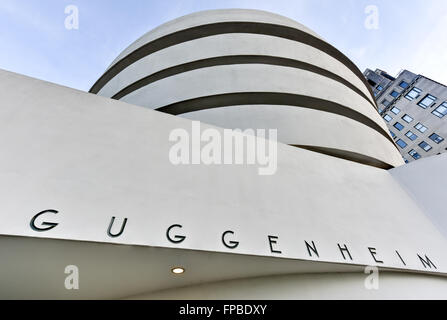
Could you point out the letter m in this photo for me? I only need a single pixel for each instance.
(427, 262)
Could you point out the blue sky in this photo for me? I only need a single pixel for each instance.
(411, 34)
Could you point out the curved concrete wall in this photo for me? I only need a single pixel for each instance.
(208, 17)
(235, 60)
(227, 46)
(312, 286)
(93, 159)
(368, 144)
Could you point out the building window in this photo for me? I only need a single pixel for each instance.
(395, 110)
(436, 138)
(403, 85)
(380, 88)
(413, 94)
(410, 135)
(393, 134)
(427, 101)
(386, 103)
(401, 143)
(394, 94)
(420, 127)
(398, 126)
(387, 118)
(441, 111)
(424, 145)
(407, 118)
(414, 154)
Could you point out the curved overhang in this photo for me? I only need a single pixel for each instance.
(218, 28)
(211, 16)
(230, 58)
(234, 60)
(101, 169)
(230, 45)
(345, 138)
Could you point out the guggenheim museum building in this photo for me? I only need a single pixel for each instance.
(89, 191)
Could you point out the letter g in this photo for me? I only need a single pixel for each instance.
(50, 225)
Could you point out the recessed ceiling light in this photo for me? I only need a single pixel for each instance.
(178, 270)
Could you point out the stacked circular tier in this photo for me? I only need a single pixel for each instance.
(250, 69)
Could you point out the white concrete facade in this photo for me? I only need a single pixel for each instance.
(221, 53)
(88, 163)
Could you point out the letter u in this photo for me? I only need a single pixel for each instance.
(109, 231)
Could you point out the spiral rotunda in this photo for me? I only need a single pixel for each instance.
(252, 69)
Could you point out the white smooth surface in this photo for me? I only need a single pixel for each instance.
(249, 78)
(425, 181)
(264, 78)
(35, 269)
(225, 45)
(236, 78)
(212, 16)
(301, 126)
(92, 158)
(326, 286)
